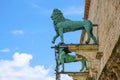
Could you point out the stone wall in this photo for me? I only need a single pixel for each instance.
(105, 13)
(111, 70)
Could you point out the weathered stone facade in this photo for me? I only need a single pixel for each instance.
(105, 13)
(111, 70)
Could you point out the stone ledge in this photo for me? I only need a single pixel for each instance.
(79, 76)
(74, 48)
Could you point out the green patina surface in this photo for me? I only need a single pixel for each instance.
(63, 25)
(64, 57)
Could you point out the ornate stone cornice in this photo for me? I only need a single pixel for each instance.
(112, 67)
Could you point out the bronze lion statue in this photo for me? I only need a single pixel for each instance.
(63, 25)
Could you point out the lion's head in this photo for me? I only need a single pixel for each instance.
(57, 16)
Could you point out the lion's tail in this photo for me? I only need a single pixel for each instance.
(91, 27)
(91, 31)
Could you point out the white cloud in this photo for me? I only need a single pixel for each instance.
(21, 60)
(18, 32)
(19, 69)
(5, 50)
(73, 10)
(65, 77)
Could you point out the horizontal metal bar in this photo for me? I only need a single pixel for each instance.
(73, 72)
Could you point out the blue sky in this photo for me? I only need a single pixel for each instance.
(26, 31)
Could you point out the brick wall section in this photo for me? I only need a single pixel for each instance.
(105, 13)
